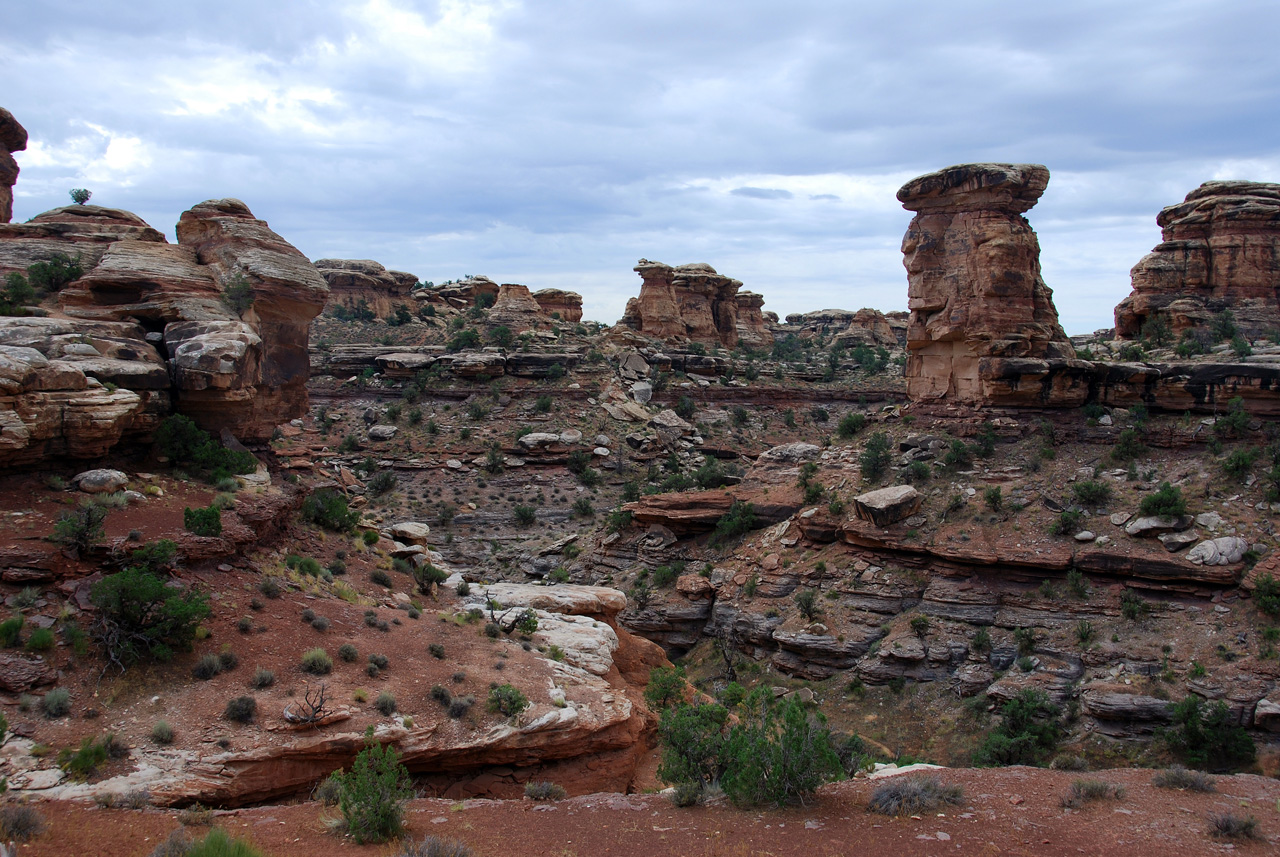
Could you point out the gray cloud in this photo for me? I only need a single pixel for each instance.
(556, 142)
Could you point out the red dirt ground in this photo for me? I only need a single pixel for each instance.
(1006, 811)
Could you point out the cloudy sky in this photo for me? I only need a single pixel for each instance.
(555, 142)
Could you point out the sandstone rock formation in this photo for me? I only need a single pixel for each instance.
(865, 327)
(694, 304)
(516, 309)
(148, 317)
(1220, 251)
(354, 280)
(13, 138)
(983, 327)
(567, 304)
(460, 295)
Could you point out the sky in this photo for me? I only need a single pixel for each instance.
(556, 142)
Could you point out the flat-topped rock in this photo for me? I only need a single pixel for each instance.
(564, 598)
(887, 506)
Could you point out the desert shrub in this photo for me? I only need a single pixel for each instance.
(381, 578)
(850, 425)
(83, 762)
(193, 449)
(778, 757)
(348, 652)
(328, 509)
(1132, 606)
(459, 706)
(435, 846)
(436, 651)
(1087, 791)
(11, 631)
(373, 792)
(1066, 523)
(203, 522)
(1167, 502)
(262, 678)
(526, 516)
(507, 700)
(876, 457)
(807, 603)
(56, 703)
(237, 294)
(1228, 825)
(140, 615)
(162, 733)
(317, 662)
(20, 823)
(542, 790)
(1128, 445)
(1266, 594)
(80, 529)
(385, 703)
(1091, 493)
(217, 843)
(1178, 777)
(1205, 735)
(666, 685)
(207, 667)
(41, 640)
(59, 270)
(913, 795)
(738, 521)
(382, 482)
(242, 709)
(1028, 732)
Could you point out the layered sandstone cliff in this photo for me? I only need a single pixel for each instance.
(567, 305)
(983, 328)
(354, 280)
(694, 304)
(1220, 251)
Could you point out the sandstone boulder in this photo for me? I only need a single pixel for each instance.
(975, 293)
(411, 532)
(1220, 249)
(100, 481)
(19, 674)
(1227, 550)
(887, 506)
(1155, 526)
(791, 453)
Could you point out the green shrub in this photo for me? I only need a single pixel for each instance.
(58, 271)
(780, 758)
(876, 457)
(738, 521)
(262, 678)
(850, 425)
(1066, 523)
(79, 530)
(373, 792)
(217, 843)
(807, 603)
(1132, 606)
(993, 497)
(1027, 735)
(192, 449)
(207, 667)
(11, 631)
(317, 662)
(1206, 736)
(328, 509)
(535, 790)
(507, 700)
(203, 522)
(526, 516)
(348, 653)
(1266, 594)
(386, 703)
(82, 763)
(1091, 493)
(1167, 502)
(237, 294)
(666, 685)
(139, 615)
(1128, 446)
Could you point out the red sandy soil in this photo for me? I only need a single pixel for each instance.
(1005, 811)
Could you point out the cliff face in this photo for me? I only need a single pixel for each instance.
(692, 303)
(1220, 251)
(353, 280)
(147, 330)
(974, 288)
(567, 304)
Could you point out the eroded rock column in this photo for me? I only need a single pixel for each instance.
(13, 138)
(983, 328)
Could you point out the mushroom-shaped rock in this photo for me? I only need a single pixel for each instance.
(410, 532)
(887, 506)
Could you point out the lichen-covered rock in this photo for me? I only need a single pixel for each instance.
(693, 304)
(1220, 251)
(974, 290)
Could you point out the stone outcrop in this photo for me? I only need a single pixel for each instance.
(13, 138)
(1220, 251)
(983, 328)
(864, 327)
(516, 309)
(886, 506)
(693, 304)
(461, 295)
(83, 231)
(354, 280)
(567, 304)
